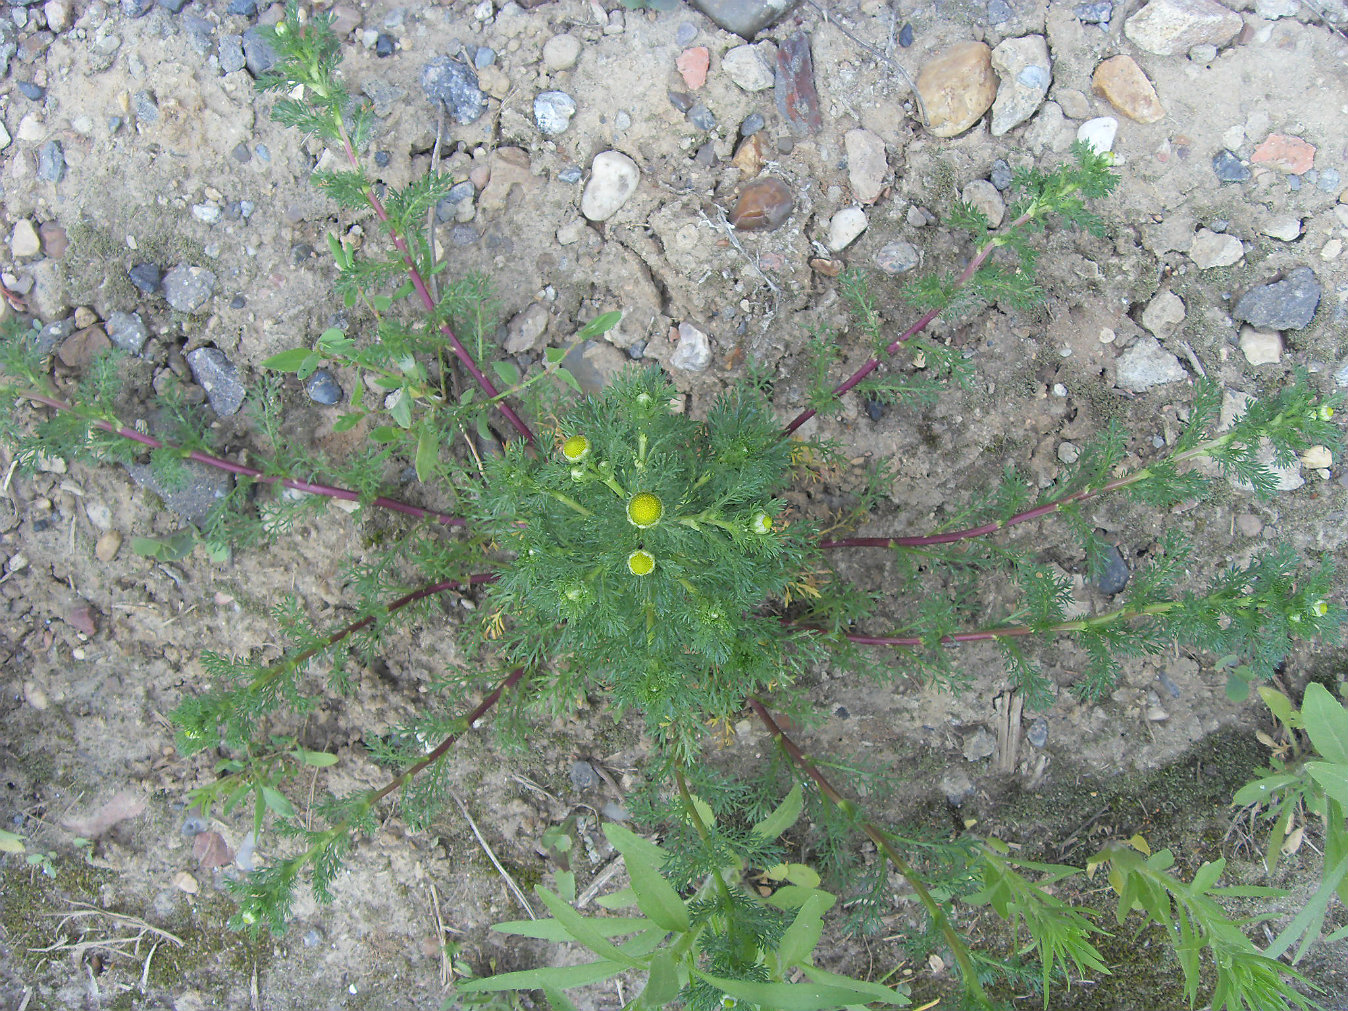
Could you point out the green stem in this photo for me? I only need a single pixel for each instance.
(958, 948)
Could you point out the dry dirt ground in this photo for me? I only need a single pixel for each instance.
(96, 650)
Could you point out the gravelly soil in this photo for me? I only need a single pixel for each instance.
(83, 712)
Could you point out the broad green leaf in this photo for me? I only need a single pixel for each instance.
(287, 361)
(566, 885)
(320, 759)
(553, 930)
(277, 802)
(1326, 722)
(557, 1000)
(508, 372)
(338, 251)
(400, 408)
(1332, 777)
(656, 897)
(309, 366)
(554, 355)
(799, 939)
(1207, 875)
(1280, 706)
(562, 977)
(166, 549)
(11, 843)
(783, 817)
(334, 341)
(624, 898)
(385, 433)
(347, 421)
(789, 996)
(798, 874)
(570, 380)
(1262, 791)
(874, 991)
(599, 325)
(381, 303)
(1308, 921)
(662, 986)
(625, 841)
(404, 289)
(794, 896)
(583, 929)
(428, 452)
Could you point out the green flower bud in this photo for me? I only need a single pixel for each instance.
(761, 523)
(579, 473)
(1325, 412)
(641, 562)
(576, 448)
(645, 510)
(1320, 608)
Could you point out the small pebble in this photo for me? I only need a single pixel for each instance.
(194, 824)
(898, 257)
(484, 57)
(127, 331)
(763, 205)
(1097, 13)
(570, 174)
(146, 277)
(701, 117)
(34, 92)
(242, 8)
(385, 45)
(323, 388)
(1115, 576)
(241, 154)
(906, 36)
(51, 162)
(1001, 175)
(381, 159)
(1228, 168)
(553, 111)
(1037, 734)
(751, 124)
(582, 775)
(108, 545)
(875, 409)
(685, 33)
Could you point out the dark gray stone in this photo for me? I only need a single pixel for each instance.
(258, 54)
(583, 775)
(745, 18)
(1000, 12)
(53, 334)
(136, 8)
(146, 277)
(385, 45)
(1095, 13)
(231, 53)
(219, 377)
(1001, 175)
(681, 100)
(463, 235)
(51, 162)
(1115, 576)
(701, 117)
(323, 388)
(1037, 734)
(384, 96)
(751, 124)
(1288, 304)
(243, 8)
(1229, 168)
(381, 159)
(455, 84)
(127, 331)
(193, 500)
(484, 57)
(32, 92)
(906, 36)
(186, 288)
(173, 6)
(875, 410)
(199, 33)
(570, 174)
(145, 107)
(241, 154)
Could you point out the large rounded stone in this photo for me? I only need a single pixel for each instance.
(957, 87)
(613, 180)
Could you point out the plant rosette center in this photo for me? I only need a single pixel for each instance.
(645, 510)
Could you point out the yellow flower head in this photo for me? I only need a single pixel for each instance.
(576, 448)
(645, 510)
(641, 562)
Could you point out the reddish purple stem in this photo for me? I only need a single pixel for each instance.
(328, 491)
(419, 283)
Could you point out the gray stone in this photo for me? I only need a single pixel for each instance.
(898, 257)
(1173, 27)
(701, 117)
(553, 111)
(1037, 734)
(693, 353)
(219, 377)
(1115, 575)
(455, 84)
(1228, 168)
(957, 786)
(54, 333)
(750, 67)
(866, 164)
(1163, 314)
(561, 53)
(583, 776)
(1097, 13)
(984, 197)
(1209, 249)
(527, 330)
(186, 288)
(145, 107)
(979, 745)
(195, 499)
(136, 8)
(845, 226)
(1001, 175)
(1025, 72)
(9, 44)
(230, 53)
(127, 331)
(1147, 364)
(594, 364)
(51, 161)
(258, 54)
(745, 18)
(1288, 304)
(384, 96)
(322, 388)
